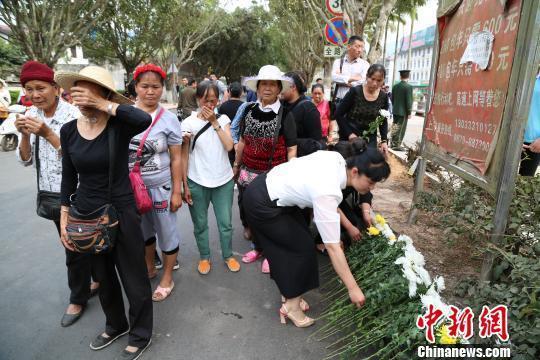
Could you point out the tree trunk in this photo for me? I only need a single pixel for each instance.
(396, 53)
(413, 16)
(385, 38)
(375, 49)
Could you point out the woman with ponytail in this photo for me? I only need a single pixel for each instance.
(274, 204)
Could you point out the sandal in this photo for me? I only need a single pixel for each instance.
(251, 256)
(304, 306)
(161, 293)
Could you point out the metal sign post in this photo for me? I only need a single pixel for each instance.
(521, 85)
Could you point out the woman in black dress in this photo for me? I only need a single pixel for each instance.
(274, 204)
(361, 106)
(85, 183)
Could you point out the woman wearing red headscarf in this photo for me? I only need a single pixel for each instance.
(161, 170)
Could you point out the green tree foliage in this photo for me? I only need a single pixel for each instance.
(302, 35)
(45, 29)
(132, 31)
(247, 42)
(11, 59)
(163, 31)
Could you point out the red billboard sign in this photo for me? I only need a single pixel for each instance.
(468, 103)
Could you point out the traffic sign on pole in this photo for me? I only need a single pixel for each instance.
(341, 26)
(334, 7)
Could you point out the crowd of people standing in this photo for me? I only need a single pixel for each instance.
(89, 147)
(297, 162)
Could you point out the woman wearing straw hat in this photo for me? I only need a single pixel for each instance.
(267, 139)
(85, 180)
(39, 145)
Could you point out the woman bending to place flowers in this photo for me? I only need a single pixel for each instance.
(208, 176)
(161, 170)
(85, 187)
(273, 205)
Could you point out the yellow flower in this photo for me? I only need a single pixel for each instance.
(380, 220)
(392, 237)
(373, 231)
(445, 338)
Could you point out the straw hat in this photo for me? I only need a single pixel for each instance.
(268, 72)
(93, 74)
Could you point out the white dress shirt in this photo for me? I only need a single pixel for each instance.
(315, 181)
(357, 67)
(272, 107)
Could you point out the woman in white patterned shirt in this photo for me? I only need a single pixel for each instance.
(42, 123)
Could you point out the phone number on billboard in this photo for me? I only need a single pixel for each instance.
(472, 142)
(476, 126)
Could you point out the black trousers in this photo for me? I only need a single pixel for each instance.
(128, 258)
(529, 162)
(241, 191)
(79, 273)
(285, 239)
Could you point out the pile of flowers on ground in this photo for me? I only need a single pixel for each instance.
(398, 289)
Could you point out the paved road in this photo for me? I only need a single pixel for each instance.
(413, 133)
(219, 316)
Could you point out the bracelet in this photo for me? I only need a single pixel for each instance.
(109, 108)
(236, 164)
(217, 128)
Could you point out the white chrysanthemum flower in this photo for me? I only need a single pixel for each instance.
(439, 282)
(423, 275)
(385, 113)
(435, 300)
(406, 239)
(412, 289)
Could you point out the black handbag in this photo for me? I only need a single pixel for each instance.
(95, 232)
(47, 202)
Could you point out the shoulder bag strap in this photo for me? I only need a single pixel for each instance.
(276, 135)
(112, 141)
(136, 166)
(334, 95)
(203, 129)
(36, 156)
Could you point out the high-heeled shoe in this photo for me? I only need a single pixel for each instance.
(284, 314)
(304, 306)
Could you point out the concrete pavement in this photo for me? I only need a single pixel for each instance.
(221, 315)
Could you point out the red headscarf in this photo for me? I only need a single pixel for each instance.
(149, 67)
(33, 70)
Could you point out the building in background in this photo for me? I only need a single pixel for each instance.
(421, 56)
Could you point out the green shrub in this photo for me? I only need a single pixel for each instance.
(14, 96)
(466, 210)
